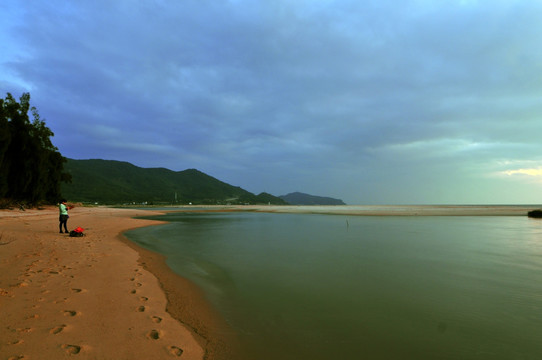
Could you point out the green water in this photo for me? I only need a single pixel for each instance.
(335, 287)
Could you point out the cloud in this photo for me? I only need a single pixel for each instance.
(535, 172)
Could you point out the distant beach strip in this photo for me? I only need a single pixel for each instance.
(373, 210)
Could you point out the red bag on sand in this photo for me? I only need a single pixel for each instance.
(78, 231)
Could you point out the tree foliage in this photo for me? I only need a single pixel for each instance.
(31, 167)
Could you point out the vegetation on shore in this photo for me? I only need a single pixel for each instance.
(535, 213)
(31, 167)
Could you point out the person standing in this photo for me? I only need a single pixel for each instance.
(63, 216)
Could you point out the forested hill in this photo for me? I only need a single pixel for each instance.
(297, 198)
(116, 182)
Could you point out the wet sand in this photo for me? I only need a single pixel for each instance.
(96, 297)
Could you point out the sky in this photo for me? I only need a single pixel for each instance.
(371, 102)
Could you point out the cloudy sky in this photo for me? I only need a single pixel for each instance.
(372, 102)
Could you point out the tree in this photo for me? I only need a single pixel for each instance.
(31, 167)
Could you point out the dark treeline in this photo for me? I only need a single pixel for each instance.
(31, 168)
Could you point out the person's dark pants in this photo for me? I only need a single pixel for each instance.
(63, 221)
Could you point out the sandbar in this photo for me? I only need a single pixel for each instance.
(372, 210)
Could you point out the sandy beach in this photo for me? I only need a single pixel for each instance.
(93, 297)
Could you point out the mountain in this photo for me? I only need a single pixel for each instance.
(297, 198)
(117, 182)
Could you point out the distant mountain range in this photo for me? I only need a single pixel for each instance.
(117, 182)
(298, 198)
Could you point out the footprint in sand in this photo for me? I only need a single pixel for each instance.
(76, 291)
(141, 309)
(174, 350)
(17, 357)
(154, 335)
(21, 284)
(156, 319)
(143, 298)
(57, 330)
(70, 313)
(72, 349)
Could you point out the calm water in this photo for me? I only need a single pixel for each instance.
(337, 287)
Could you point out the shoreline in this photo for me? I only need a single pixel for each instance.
(99, 296)
(187, 303)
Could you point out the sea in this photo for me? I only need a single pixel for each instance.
(312, 286)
